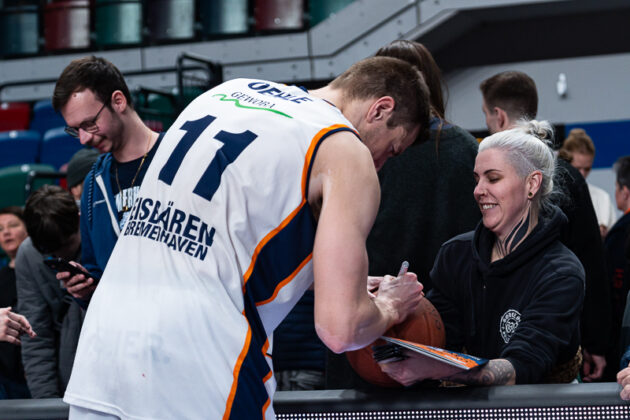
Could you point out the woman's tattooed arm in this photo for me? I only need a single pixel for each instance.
(495, 372)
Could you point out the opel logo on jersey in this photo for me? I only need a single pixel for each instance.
(509, 322)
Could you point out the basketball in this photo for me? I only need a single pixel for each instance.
(424, 326)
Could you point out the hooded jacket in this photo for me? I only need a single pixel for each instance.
(99, 217)
(524, 307)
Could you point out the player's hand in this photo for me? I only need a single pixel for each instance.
(372, 285)
(79, 285)
(623, 379)
(399, 296)
(593, 367)
(13, 325)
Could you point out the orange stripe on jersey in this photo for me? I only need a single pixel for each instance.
(265, 406)
(307, 163)
(286, 281)
(266, 378)
(266, 239)
(237, 370)
(311, 149)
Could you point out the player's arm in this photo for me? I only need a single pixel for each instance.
(346, 317)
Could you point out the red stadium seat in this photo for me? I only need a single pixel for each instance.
(14, 116)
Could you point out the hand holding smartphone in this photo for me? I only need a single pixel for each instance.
(60, 265)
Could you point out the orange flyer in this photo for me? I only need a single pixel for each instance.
(460, 360)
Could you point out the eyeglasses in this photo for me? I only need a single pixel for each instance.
(88, 126)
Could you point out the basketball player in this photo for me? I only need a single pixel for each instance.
(257, 190)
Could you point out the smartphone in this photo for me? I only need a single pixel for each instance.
(60, 265)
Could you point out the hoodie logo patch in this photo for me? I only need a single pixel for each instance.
(509, 322)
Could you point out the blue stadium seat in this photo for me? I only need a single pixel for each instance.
(17, 147)
(58, 147)
(45, 117)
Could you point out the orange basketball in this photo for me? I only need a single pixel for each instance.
(424, 326)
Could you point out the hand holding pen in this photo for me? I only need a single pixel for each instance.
(398, 295)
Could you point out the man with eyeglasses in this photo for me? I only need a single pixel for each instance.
(94, 99)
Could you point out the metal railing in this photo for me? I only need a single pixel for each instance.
(567, 401)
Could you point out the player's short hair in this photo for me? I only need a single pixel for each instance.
(512, 91)
(576, 142)
(94, 73)
(622, 171)
(376, 77)
(51, 217)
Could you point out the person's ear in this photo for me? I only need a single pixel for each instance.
(118, 101)
(534, 182)
(503, 119)
(381, 109)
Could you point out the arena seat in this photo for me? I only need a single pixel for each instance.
(223, 17)
(118, 22)
(320, 10)
(156, 108)
(58, 147)
(273, 15)
(18, 147)
(171, 20)
(45, 117)
(19, 30)
(13, 182)
(14, 116)
(67, 25)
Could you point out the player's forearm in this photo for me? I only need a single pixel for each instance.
(355, 325)
(495, 372)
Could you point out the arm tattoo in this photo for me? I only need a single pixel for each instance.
(496, 372)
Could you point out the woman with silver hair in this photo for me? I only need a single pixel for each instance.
(509, 291)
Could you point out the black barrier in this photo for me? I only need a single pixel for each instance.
(523, 402)
(566, 402)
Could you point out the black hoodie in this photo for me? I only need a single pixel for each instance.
(524, 308)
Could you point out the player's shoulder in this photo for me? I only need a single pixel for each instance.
(343, 148)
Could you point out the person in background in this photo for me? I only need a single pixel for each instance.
(512, 96)
(509, 291)
(578, 149)
(52, 221)
(617, 251)
(12, 325)
(78, 167)
(94, 100)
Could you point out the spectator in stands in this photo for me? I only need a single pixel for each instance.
(80, 164)
(509, 291)
(427, 190)
(94, 99)
(578, 149)
(507, 98)
(12, 325)
(617, 251)
(52, 221)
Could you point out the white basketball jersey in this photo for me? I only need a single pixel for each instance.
(216, 251)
